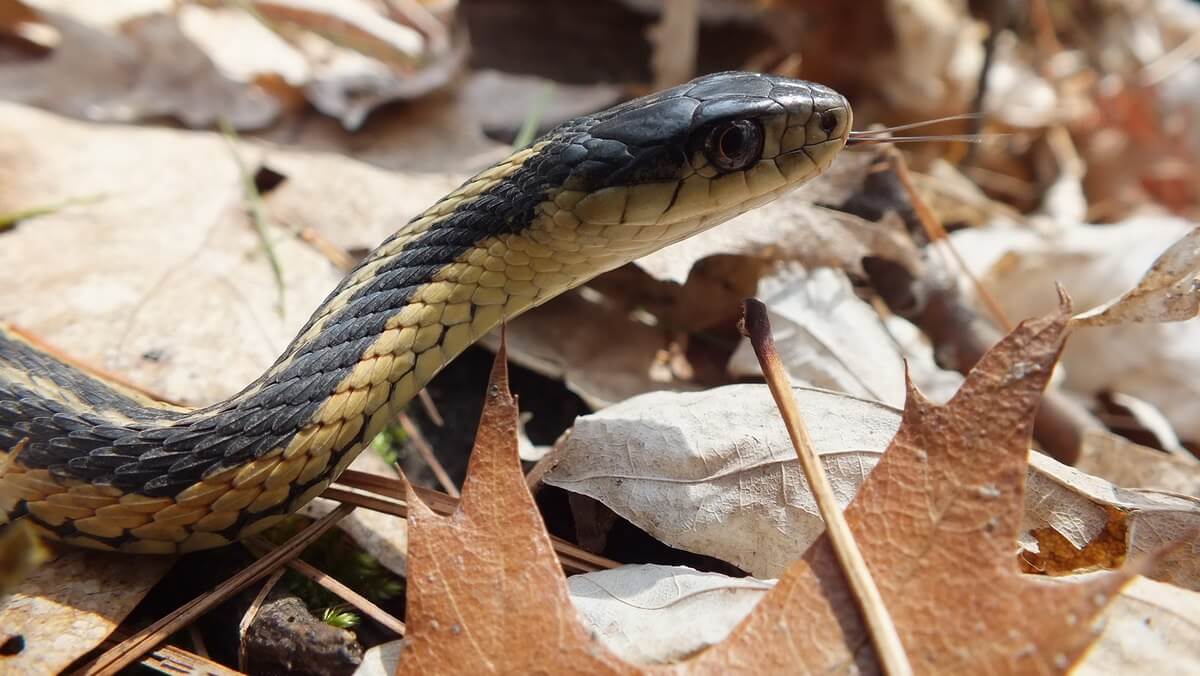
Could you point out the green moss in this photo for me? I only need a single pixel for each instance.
(389, 443)
(340, 617)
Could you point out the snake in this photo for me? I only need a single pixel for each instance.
(93, 463)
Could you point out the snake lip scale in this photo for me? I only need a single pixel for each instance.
(94, 464)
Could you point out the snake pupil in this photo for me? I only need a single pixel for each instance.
(735, 145)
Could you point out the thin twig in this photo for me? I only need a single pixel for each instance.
(892, 657)
(348, 595)
(130, 650)
(252, 612)
(333, 253)
(383, 617)
(258, 215)
(197, 641)
(570, 555)
(66, 358)
(176, 661)
(431, 408)
(937, 234)
(427, 454)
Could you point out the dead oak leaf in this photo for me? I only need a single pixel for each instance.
(937, 522)
(486, 593)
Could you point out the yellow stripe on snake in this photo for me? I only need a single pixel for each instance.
(99, 466)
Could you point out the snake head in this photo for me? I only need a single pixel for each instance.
(662, 167)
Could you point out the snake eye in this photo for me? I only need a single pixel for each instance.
(734, 145)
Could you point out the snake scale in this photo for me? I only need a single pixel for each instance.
(94, 464)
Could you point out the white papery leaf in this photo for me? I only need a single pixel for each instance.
(651, 614)
(830, 338)
(714, 473)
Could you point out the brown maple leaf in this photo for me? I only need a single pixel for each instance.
(937, 522)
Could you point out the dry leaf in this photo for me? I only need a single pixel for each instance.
(488, 570)
(1152, 628)
(714, 473)
(570, 338)
(68, 606)
(107, 302)
(830, 338)
(244, 62)
(706, 460)
(145, 69)
(1158, 363)
(1169, 291)
(936, 58)
(1131, 465)
(936, 522)
(651, 614)
(354, 57)
(1079, 521)
(21, 552)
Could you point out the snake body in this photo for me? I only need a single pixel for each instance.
(94, 464)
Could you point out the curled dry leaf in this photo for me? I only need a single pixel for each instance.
(830, 338)
(1158, 363)
(651, 614)
(1169, 291)
(66, 607)
(1081, 522)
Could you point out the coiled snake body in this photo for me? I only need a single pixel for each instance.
(104, 467)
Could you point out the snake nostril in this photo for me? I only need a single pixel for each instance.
(829, 122)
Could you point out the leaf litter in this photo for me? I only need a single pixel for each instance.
(1132, 161)
(929, 488)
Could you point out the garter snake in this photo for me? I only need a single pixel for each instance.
(103, 467)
